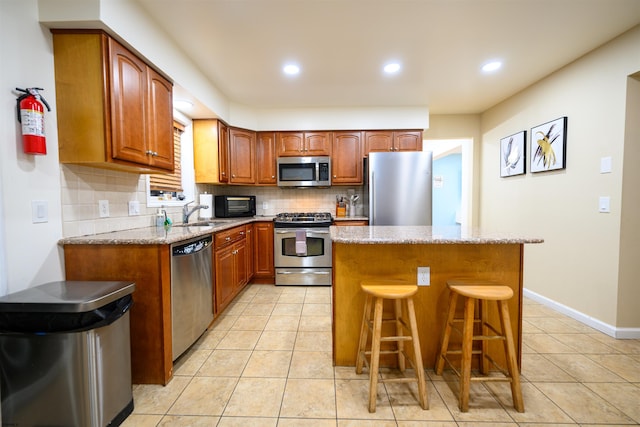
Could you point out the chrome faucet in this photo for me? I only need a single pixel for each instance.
(186, 213)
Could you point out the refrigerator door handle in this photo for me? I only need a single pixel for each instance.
(372, 201)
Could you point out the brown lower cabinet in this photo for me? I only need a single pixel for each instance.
(263, 253)
(149, 267)
(230, 265)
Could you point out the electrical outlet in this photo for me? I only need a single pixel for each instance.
(424, 276)
(103, 208)
(134, 207)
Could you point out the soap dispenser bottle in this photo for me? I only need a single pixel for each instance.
(161, 217)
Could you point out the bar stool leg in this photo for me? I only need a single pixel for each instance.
(417, 354)
(364, 334)
(453, 297)
(484, 330)
(467, 348)
(375, 355)
(399, 331)
(510, 350)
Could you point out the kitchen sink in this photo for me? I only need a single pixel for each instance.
(203, 224)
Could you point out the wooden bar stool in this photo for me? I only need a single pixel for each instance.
(401, 293)
(483, 292)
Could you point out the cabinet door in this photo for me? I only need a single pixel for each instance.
(266, 158)
(263, 251)
(407, 140)
(206, 159)
(242, 272)
(128, 114)
(242, 156)
(377, 141)
(317, 144)
(223, 152)
(160, 120)
(249, 243)
(225, 285)
(346, 160)
(290, 143)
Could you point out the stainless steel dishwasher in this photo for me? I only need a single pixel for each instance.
(191, 291)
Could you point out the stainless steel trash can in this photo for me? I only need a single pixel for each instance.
(65, 354)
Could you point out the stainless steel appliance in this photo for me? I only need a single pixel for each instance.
(234, 206)
(398, 188)
(191, 291)
(65, 357)
(304, 171)
(302, 249)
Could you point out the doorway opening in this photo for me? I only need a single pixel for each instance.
(452, 180)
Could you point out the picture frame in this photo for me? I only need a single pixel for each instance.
(549, 146)
(513, 154)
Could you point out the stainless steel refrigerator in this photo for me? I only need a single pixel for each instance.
(398, 187)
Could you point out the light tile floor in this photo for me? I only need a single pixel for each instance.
(267, 362)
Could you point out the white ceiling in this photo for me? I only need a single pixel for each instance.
(341, 46)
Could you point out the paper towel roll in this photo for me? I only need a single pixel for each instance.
(206, 199)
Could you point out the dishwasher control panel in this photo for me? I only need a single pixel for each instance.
(192, 247)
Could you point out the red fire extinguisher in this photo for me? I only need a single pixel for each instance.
(31, 116)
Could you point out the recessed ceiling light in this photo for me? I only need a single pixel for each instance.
(291, 69)
(391, 68)
(491, 66)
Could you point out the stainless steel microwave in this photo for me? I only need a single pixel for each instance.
(304, 171)
(234, 206)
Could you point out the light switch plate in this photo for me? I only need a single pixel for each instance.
(605, 165)
(604, 204)
(39, 211)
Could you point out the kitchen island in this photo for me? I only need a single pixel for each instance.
(396, 252)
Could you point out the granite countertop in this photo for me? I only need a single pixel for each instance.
(416, 235)
(160, 236)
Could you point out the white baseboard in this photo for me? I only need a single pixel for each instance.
(612, 331)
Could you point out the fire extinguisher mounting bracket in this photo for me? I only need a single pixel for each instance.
(30, 91)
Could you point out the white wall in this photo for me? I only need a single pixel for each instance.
(578, 264)
(31, 254)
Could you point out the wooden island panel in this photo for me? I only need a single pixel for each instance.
(353, 263)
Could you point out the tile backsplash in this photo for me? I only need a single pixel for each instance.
(82, 187)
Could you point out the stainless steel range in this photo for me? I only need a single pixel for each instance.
(302, 249)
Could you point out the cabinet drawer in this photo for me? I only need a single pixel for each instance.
(227, 237)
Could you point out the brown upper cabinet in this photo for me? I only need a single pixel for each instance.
(346, 160)
(387, 140)
(210, 151)
(114, 111)
(266, 158)
(242, 156)
(303, 144)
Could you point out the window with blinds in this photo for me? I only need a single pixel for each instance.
(170, 183)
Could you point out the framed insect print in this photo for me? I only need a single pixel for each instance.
(512, 154)
(549, 146)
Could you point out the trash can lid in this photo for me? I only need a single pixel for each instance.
(65, 296)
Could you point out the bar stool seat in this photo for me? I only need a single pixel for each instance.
(401, 293)
(474, 291)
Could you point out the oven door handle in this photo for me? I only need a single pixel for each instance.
(309, 232)
(321, 273)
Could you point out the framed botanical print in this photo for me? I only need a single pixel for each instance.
(512, 154)
(549, 146)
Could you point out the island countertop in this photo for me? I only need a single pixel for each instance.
(420, 235)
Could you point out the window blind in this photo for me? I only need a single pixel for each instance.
(171, 182)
